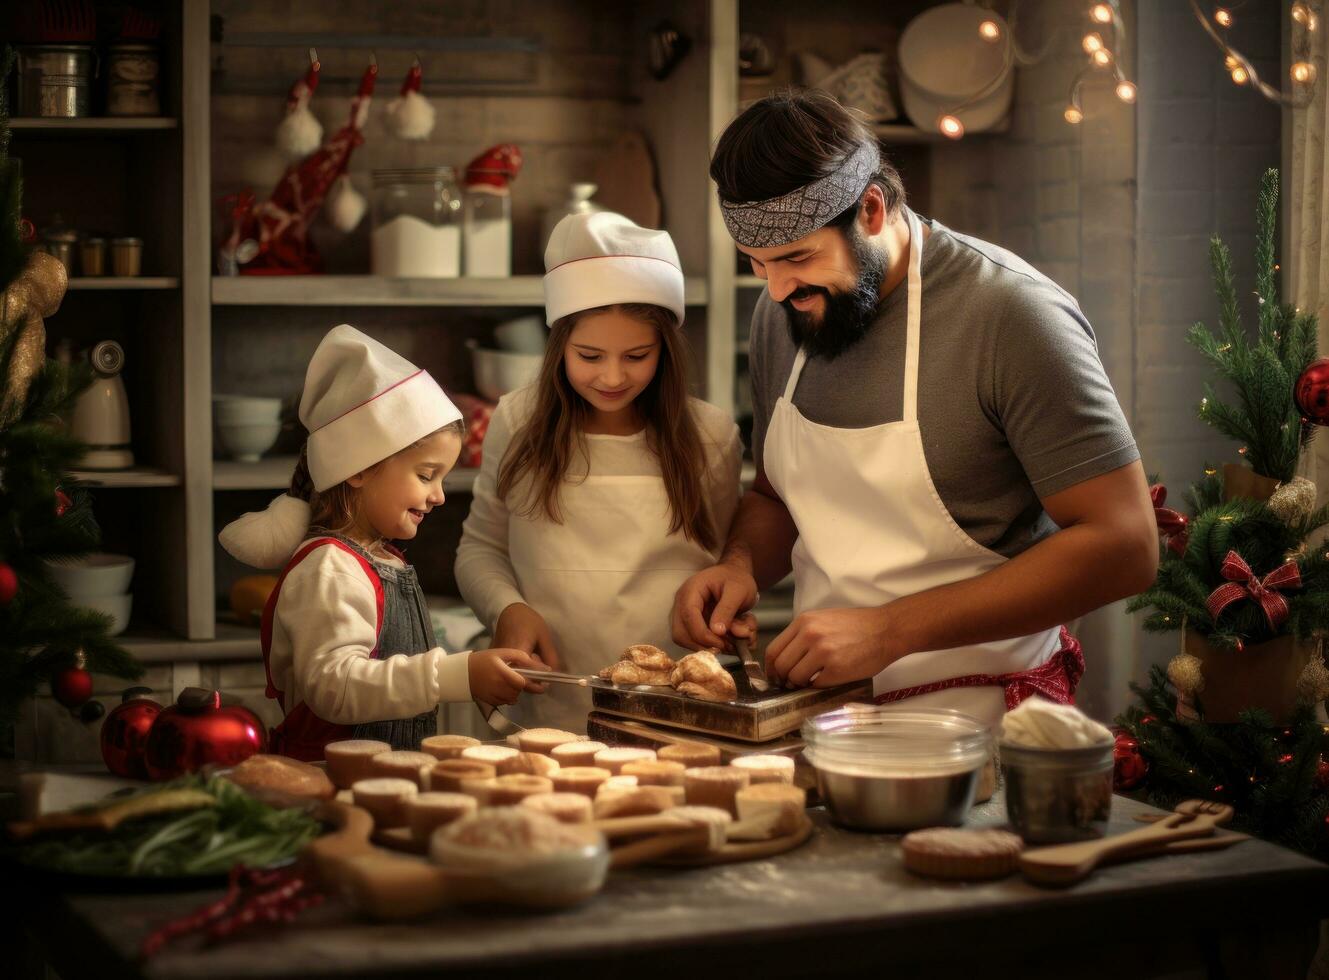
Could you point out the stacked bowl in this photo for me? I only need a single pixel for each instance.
(98, 581)
(247, 426)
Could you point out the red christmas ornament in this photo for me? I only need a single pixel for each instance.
(1285, 758)
(73, 685)
(1312, 392)
(1148, 720)
(8, 583)
(1219, 789)
(197, 730)
(62, 503)
(1129, 767)
(1322, 774)
(124, 734)
(1172, 525)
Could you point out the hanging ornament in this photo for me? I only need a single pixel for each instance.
(1313, 682)
(300, 133)
(1285, 758)
(1293, 500)
(410, 115)
(1312, 392)
(346, 206)
(73, 685)
(124, 734)
(1186, 674)
(1172, 525)
(62, 503)
(1322, 774)
(8, 583)
(1129, 767)
(36, 293)
(91, 711)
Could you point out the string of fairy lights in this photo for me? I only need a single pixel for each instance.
(1105, 37)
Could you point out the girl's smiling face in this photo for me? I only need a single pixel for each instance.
(610, 358)
(395, 495)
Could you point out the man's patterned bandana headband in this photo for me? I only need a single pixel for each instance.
(781, 220)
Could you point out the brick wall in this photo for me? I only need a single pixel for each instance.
(1118, 210)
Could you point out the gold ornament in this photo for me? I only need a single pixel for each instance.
(1293, 500)
(1186, 674)
(1313, 684)
(47, 280)
(25, 362)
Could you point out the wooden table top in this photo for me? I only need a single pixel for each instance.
(841, 902)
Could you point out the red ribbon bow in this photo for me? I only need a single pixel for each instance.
(1174, 526)
(1243, 583)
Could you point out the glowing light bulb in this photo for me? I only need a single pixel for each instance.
(950, 127)
(1301, 14)
(1231, 63)
(989, 30)
(1223, 17)
(1303, 71)
(1126, 91)
(1092, 42)
(1101, 12)
(1073, 115)
(1102, 57)
(1240, 76)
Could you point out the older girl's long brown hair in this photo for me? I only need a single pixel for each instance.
(544, 447)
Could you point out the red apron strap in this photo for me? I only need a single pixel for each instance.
(302, 731)
(1056, 679)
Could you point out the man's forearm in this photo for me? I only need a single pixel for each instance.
(761, 538)
(1073, 572)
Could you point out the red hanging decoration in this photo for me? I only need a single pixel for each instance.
(1322, 774)
(8, 583)
(1129, 767)
(124, 734)
(73, 686)
(62, 503)
(272, 237)
(1172, 525)
(1243, 583)
(1312, 392)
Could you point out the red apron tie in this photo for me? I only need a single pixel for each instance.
(1056, 679)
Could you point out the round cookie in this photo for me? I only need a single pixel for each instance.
(616, 757)
(766, 768)
(566, 807)
(428, 811)
(961, 854)
(447, 746)
(385, 798)
(404, 765)
(544, 740)
(580, 779)
(447, 776)
(655, 772)
(581, 753)
(511, 789)
(714, 786)
(693, 755)
(501, 757)
(349, 760)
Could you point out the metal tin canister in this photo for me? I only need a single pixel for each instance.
(55, 80)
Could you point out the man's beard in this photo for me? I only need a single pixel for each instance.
(847, 315)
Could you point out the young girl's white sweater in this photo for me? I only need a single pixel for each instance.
(323, 629)
(484, 570)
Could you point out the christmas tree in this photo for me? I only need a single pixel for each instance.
(44, 515)
(1232, 717)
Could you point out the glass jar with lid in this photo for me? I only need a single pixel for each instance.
(417, 223)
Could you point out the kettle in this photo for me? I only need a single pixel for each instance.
(101, 415)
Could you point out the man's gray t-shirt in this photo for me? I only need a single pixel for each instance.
(1013, 401)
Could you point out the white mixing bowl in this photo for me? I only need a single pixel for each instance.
(93, 577)
(246, 442)
(499, 371)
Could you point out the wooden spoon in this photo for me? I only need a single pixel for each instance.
(1066, 864)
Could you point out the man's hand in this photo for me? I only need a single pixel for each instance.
(520, 627)
(708, 606)
(826, 647)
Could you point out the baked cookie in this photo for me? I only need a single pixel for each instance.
(961, 854)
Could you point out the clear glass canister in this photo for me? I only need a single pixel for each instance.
(1055, 796)
(417, 224)
(487, 231)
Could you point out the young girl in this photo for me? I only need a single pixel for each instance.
(603, 485)
(346, 636)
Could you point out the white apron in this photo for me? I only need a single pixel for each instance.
(872, 528)
(603, 579)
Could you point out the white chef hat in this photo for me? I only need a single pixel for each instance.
(362, 403)
(602, 259)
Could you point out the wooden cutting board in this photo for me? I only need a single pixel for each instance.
(627, 181)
